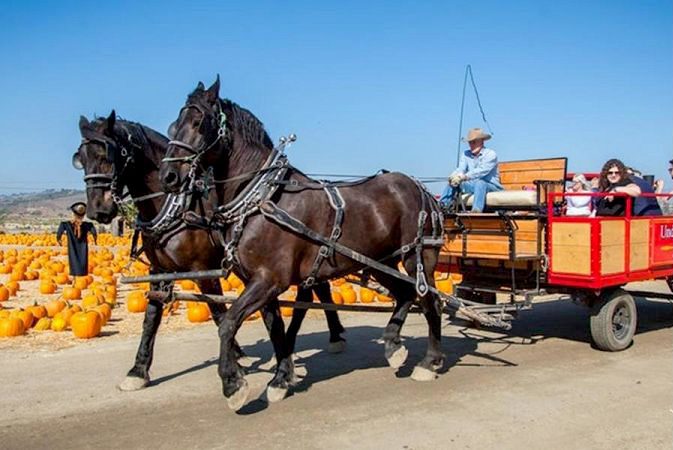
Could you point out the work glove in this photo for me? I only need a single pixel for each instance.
(455, 180)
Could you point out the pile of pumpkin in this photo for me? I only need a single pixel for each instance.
(85, 319)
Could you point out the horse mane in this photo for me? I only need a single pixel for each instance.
(246, 125)
(249, 127)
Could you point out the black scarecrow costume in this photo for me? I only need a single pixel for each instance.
(77, 231)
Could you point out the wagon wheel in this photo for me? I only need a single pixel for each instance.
(613, 320)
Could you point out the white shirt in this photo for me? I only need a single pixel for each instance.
(579, 205)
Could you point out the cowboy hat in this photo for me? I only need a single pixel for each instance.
(477, 133)
(78, 208)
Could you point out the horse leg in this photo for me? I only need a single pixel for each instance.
(427, 369)
(217, 310)
(337, 344)
(284, 377)
(298, 314)
(404, 294)
(138, 377)
(257, 294)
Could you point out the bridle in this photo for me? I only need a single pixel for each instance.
(110, 180)
(191, 183)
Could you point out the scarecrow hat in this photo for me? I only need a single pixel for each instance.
(78, 208)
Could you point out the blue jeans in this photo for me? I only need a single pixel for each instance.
(479, 188)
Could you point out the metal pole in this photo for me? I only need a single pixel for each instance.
(462, 108)
(158, 277)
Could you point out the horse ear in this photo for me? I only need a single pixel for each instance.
(214, 90)
(200, 87)
(111, 119)
(172, 129)
(83, 122)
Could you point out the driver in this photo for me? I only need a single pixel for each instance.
(477, 172)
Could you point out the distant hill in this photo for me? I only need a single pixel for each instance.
(40, 211)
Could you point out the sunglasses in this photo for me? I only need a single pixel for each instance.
(614, 172)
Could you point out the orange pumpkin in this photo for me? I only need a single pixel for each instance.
(105, 311)
(38, 311)
(58, 323)
(136, 302)
(366, 295)
(286, 311)
(337, 298)
(81, 282)
(86, 325)
(61, 278)
(187, 285)
(72, 293)
(4, 293)
(349, 296)
(4, 313)
(25, 316)
(47, 287)
(54, 307)
(91, 301)
(11, 327)
(198, 313)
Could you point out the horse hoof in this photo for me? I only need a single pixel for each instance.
(238, 398)
(423, 374)
(397, 359)
(275, 394)
(133, 384)
(336, 347)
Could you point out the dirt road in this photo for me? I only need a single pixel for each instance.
(540, 385)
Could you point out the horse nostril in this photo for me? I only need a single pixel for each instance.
(171, 178)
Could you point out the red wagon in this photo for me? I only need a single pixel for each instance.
(524, 247)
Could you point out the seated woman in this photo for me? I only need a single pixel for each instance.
(579, 205)
(614, 179)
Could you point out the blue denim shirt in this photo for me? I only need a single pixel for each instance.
(483, 166)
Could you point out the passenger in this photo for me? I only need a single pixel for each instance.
(643, 206)
(477, 172)
(614, 179)
(579, 205)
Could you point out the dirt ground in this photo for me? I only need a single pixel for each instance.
(539, 385)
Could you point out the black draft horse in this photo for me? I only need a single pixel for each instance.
(117, 153)
(381, 217)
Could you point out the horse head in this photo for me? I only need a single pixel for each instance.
(105, 157)
(211, 133)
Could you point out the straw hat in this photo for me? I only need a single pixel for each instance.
(78, 208)
(477, 133)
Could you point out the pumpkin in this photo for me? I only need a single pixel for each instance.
(47, 287)
(337, 298)
(286, 311)
(4, 294)
(72, 293)
(366, 295)
(81, 282)
(226, 286)
(25, 316)
(43, 324)
(90, 301)
(61, 278)
(86, 325)
(445, 285)
(349, 296)
(105, 311)
(38, 311)
(66, 315)
(11, 327)
(13, 287)
(384, 298)
(234, 281)
(4, 314)
(58, 323)
(16, 276)
(136, 302)
(54, 307)
(198, 313)
(187, 285)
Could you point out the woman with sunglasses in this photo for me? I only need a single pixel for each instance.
(614, 179)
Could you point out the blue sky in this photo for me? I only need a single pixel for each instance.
(365, 85)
